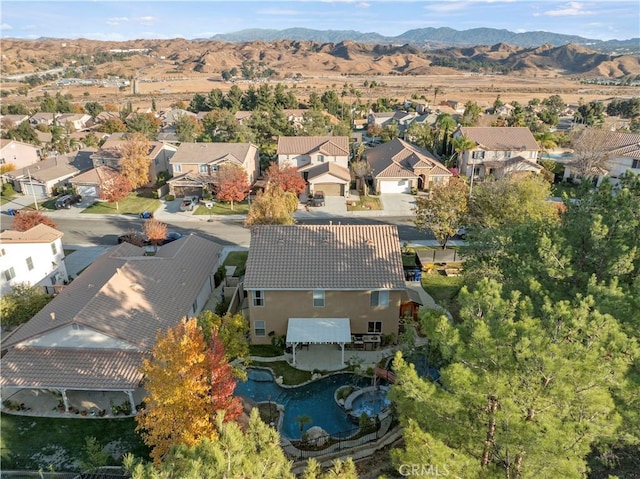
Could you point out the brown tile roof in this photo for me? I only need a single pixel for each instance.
(94, 176)
(501, 138)
(617, 144)
(129, 296)
(101, 369)
(201, 153)
(327, 167)
(57, 167)
(360, 257)
(38, 234)
(305, 145)
(399, 159)
(112, 148)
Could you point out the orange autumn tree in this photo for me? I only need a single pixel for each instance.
(184, 378)
(234, 184)
(25, 220)
(287, 177)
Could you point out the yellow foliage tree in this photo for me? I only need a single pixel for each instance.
(135, 160)
(178, 407)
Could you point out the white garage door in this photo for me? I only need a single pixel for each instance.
(34, 190)
(395, 186)
(87, 190)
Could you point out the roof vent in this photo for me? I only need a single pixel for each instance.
(53, 315)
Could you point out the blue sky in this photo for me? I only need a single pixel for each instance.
(125, 20)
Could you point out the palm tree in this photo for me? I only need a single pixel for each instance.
(436, 91)
(547, 141)
(460, 145)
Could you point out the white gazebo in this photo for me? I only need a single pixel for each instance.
(318, 331)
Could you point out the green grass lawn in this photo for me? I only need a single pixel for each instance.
(26, 441)
(560, 188)
(223, 208)
(133, 205)
(237, 259)
(5, 199)
(265, 350)
(366, 203)
(290, 375)
(443, 289)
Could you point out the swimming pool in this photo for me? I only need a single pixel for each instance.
(315, 399)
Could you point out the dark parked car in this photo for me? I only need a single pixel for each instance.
(140, 239)
(318, 199)
(67, 200)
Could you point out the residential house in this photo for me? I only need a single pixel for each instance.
(320, 284)
(385, 118)
(34, 257)
(41, 178)
(110, 154)
(18, 154)
(105, 116)
(498, 152)
(295, 116)
(89, 184)
(43, 118)
(13, 120)
(93, 336)
(170, 117)
(455, 105)
(196, 166)
(323, 161)
(76, 121)
(622, 151)
(398, 167)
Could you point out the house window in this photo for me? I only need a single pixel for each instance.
(54, 248)
(374, 327)
(477, 155)
(321, 158)
(29, 263)
(2, 253)
(259, 328)
(635, 164)
(9, 274)
(379, 299)
(203, 169)
(214, 168)
(177, 168)
(318, 298)
(507, 154)
(258, 298)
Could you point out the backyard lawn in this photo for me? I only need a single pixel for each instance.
(443, 289)
(223, 208)
(133, 205)
(290, 375)
(36, 442)
(237, 259)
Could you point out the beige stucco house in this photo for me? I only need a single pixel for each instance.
(398, 166)
(324, 284)
(323, 161)
(196, 166)
(498, 151)
(18, 154)
(93, 335)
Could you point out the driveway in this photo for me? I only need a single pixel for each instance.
(398, 204)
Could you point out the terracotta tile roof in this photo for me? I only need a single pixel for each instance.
(305, 145)
(100, 369)
(95, 175)
(201, 153)
(348, 257)
(129, 296)
(399, 159)
(327, 167)
(501, 138)
(38, 234)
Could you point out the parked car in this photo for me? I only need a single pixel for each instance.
(145, 215)
(67, 200)
(189, 203)
(318, 199)
(140, 239)
(462, 232)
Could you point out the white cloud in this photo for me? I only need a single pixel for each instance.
(115, 21)
(146, 20)
(571, 9)
(447, 7)
(364, 4)
(6, 26)
(277, 11)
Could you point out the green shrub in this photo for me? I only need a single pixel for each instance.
(7, 190)
(169, 198)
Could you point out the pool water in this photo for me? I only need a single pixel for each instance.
(315, 400)
(371, 403)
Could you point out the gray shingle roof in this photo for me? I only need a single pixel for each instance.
(129, 296)
(305, 145)
(101, 369)
(361, 257)
(501, 138)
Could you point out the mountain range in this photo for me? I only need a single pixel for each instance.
(433, 38)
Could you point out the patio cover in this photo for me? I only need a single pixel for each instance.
(319, 330)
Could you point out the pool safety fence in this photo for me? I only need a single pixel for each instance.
(331, 443)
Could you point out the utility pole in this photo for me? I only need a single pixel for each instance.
(35, 202)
